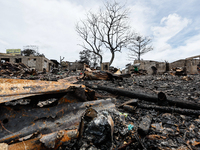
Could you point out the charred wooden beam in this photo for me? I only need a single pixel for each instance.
(169, 109)
(127, 106)
(132, 104)
(163, 100)
(123, 92)
(148, 97)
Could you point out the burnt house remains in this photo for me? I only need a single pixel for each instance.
(37, 62)
(150, 66)
(191, 65)
(72, 65)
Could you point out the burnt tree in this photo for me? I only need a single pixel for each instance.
(107, 29)
(139, 45)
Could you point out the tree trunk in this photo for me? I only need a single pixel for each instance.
(100, 56)
(100, 59)
(112, 58)
(139, 53)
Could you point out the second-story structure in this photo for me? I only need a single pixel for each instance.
(37, 62)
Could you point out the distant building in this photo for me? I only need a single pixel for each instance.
(150, 66)
(37, 62)
(55, 62)
(191, 64)
(105, 66)
(72, 65)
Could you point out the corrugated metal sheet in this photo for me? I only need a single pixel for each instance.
(25, 121)
(12, 89)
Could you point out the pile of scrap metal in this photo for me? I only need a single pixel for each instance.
(58, 115)
(16, 69)
(63, 115)
(34, 111)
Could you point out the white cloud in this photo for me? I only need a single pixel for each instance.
(3, 42)
(50, 24)
(191, 47)
(141, 18)
(169, 27)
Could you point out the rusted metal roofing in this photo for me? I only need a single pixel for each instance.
(26, 121)
(45, 142)
(12, 89)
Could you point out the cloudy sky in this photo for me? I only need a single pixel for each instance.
(174, 26)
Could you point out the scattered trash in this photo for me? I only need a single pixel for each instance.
(66, 110)
(130, 127)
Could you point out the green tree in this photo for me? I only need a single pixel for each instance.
(28, 52)
(89, 58)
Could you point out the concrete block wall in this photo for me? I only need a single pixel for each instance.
(190, 64)
(178, 63)
(37, 62)
(74, 65)
(147, 64)
(105, 66)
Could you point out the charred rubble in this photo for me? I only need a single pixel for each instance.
(98, 110)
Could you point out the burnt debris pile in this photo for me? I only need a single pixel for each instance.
(97, 110)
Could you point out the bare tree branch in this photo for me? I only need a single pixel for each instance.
(139, 45)
(107, 29)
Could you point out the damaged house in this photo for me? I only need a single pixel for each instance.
(150, 66)
(72, 65)
(37, 62)
(191, 65)
(100, 111)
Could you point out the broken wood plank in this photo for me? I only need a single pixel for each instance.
(12, 89)
(129, 108)
(130, 102)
